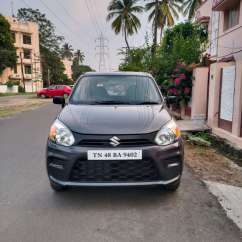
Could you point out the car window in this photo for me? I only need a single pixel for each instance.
(51, 87)
(59, 87)
(116, 89)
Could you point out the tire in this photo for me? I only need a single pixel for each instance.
(42, 96)
(56, 187)
(172, 187)
(65, 95)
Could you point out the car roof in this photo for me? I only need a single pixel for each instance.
(118, 73)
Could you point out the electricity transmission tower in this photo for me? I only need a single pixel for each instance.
(102, 52)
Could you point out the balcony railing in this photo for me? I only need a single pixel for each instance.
(15, 76)
(28, 76)
(216, 3)
(222, 5)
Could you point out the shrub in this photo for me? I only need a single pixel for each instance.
(21, 89)
(11, 83)
(181, 86)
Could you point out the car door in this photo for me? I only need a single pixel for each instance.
(59, 90)
(51, 91)
(67, 90)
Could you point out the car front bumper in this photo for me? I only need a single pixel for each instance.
(168, 161)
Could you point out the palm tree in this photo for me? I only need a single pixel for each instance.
(79, 55)
(125, 20)
(163, 13)
(66, 51)
(155, 15)
(190, 7)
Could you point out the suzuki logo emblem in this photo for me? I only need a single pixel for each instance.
(114, 141)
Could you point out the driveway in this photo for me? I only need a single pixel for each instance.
(30, 211)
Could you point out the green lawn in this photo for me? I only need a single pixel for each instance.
(14, 94)
(9, 111)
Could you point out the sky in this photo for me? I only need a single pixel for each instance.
(81, 22)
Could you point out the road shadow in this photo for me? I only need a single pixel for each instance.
(118, 197)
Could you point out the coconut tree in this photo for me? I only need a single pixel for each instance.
(190, 7)
(124, 19)
(79, 55)
(67, 51)
(162, 13)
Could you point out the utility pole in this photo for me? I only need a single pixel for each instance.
(12, 10)
(102, 51)
(48, 76)
(22, 68)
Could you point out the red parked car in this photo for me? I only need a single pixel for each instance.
(55, 90)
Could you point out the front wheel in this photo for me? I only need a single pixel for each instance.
(172, 187)
(57, 187)
(42, 96)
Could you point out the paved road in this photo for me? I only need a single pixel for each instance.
(30, 211)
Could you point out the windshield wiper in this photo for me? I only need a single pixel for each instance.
(147, 103)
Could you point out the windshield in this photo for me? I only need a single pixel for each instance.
(136, 90)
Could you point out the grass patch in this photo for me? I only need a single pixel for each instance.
(15, 94)
(11, 110)
(219, 144)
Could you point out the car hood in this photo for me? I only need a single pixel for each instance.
(120, 119)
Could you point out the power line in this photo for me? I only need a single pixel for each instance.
(95, 24)
(51, 12)
(74, 20)
(26, 4)
(102, 52)
(93, 6)
(60, 20)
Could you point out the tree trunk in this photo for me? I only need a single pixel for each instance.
(126, 39)
(161, 34)
(155, 27)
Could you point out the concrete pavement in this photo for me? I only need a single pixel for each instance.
(230, 198)
(30, 211)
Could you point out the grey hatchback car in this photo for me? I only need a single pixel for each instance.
(114, 130)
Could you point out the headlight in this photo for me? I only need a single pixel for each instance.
(168, 134)
(60, 134)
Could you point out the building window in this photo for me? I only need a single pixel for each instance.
(27, 69)
(231, 17)
(26, 39)
(27, 54)
(13, 37)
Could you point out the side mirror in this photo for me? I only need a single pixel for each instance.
(59, 100)
(170, 100)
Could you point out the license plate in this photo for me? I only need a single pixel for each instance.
(114, 155)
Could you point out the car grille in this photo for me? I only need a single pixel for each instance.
(123, 143)
(124, 140)
(114, 171)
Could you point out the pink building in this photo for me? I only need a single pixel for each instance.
(68, 63)
(28, 67)
(223, 80)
